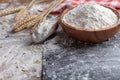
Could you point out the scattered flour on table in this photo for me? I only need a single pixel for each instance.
(90, 16)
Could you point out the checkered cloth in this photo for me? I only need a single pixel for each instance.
(73, 3)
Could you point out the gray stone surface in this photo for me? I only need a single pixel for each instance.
(19, 59)
(67, 59)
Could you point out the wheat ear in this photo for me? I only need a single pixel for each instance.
(11, 11)
(23, 23)
(25, 20)
(46, 13)
(26, 25)
(35, 22)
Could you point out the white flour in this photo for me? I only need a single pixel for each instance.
(90, 16)
(44, 30)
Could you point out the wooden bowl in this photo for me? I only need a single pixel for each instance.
(93, 36)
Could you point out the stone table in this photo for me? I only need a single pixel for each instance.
(19, 59)
(67, 59)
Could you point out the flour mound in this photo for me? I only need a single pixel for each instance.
(90, 16)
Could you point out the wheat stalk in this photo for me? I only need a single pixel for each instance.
(11, 11)
(27, 15)
(28, 6)
(24, 9)
(41, 1)
(55, 4)
(19, 14)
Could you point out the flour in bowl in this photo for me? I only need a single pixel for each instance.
(90, 16)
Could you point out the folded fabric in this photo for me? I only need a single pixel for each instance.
(73, 3)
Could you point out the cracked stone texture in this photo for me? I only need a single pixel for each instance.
(67, 59)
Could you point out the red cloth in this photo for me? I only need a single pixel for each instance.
(73, 3)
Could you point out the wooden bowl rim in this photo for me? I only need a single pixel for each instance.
(90, 30)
